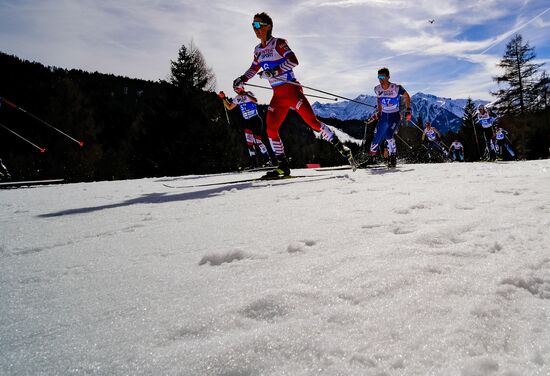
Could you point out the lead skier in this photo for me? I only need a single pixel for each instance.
(276, 59)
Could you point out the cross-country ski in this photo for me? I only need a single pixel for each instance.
(249, 180)
(12, 184)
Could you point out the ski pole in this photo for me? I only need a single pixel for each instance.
(13, 105)
(364, 143)
(226, 115)
(367, 122)
(403, 141)
(324, 92)
(475, 135)
(307, 95)
(42, 150)
(221, 94)
(416, 125)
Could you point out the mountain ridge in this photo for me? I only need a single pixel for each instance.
(444, 113)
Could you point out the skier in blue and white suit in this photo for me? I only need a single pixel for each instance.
(433, 140)
(503, 143)
(389, 95)
(486, 120)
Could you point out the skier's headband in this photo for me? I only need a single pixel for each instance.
(258, 24)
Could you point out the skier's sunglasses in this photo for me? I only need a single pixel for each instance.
(258, 24)
(381, 77)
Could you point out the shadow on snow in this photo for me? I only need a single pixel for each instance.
(165, 197)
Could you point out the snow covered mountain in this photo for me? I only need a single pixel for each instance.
(444, 113)
(347, 110)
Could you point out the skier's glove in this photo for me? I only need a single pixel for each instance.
(374, 117)
(408, 114)
(239, 81)
(268, 73)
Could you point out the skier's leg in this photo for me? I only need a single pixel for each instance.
(263, 149)
(276, 113)
(442, 149)
(510, 150)
(394, 119)
(392, 152)
(249, 136)
(379, 133)
(429, 150)
(303, 108)
(258, 142)
(499, 150)
(492, 150)
(488, 134)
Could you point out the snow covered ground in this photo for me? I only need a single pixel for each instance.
(437, 269)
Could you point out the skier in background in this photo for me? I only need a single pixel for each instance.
(503, 143)
(4, 174)
(457, 151)
(253, 124)
(486, 120)
(276, 59)
(433, 140)
(387, 114)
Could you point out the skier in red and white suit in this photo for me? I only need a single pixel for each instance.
(276, 59)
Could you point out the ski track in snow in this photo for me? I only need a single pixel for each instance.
(439, 269)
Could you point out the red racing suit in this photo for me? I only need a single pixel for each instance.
(279, 58)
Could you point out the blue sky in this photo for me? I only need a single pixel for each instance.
(340, 44)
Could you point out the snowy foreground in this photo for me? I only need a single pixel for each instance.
(437, 269)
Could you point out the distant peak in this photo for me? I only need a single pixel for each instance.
(424, 95)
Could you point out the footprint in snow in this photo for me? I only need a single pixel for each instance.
(216, 259)
(268, 308)
(300, 246)
(403, 230)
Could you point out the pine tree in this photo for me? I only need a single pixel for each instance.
(520, 76)
(190, 72)
(542, 88)
(468, 119)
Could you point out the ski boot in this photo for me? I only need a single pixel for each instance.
(392, 161)
(345, 151)
(282, 170)
(267, 162)
(254, 163)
